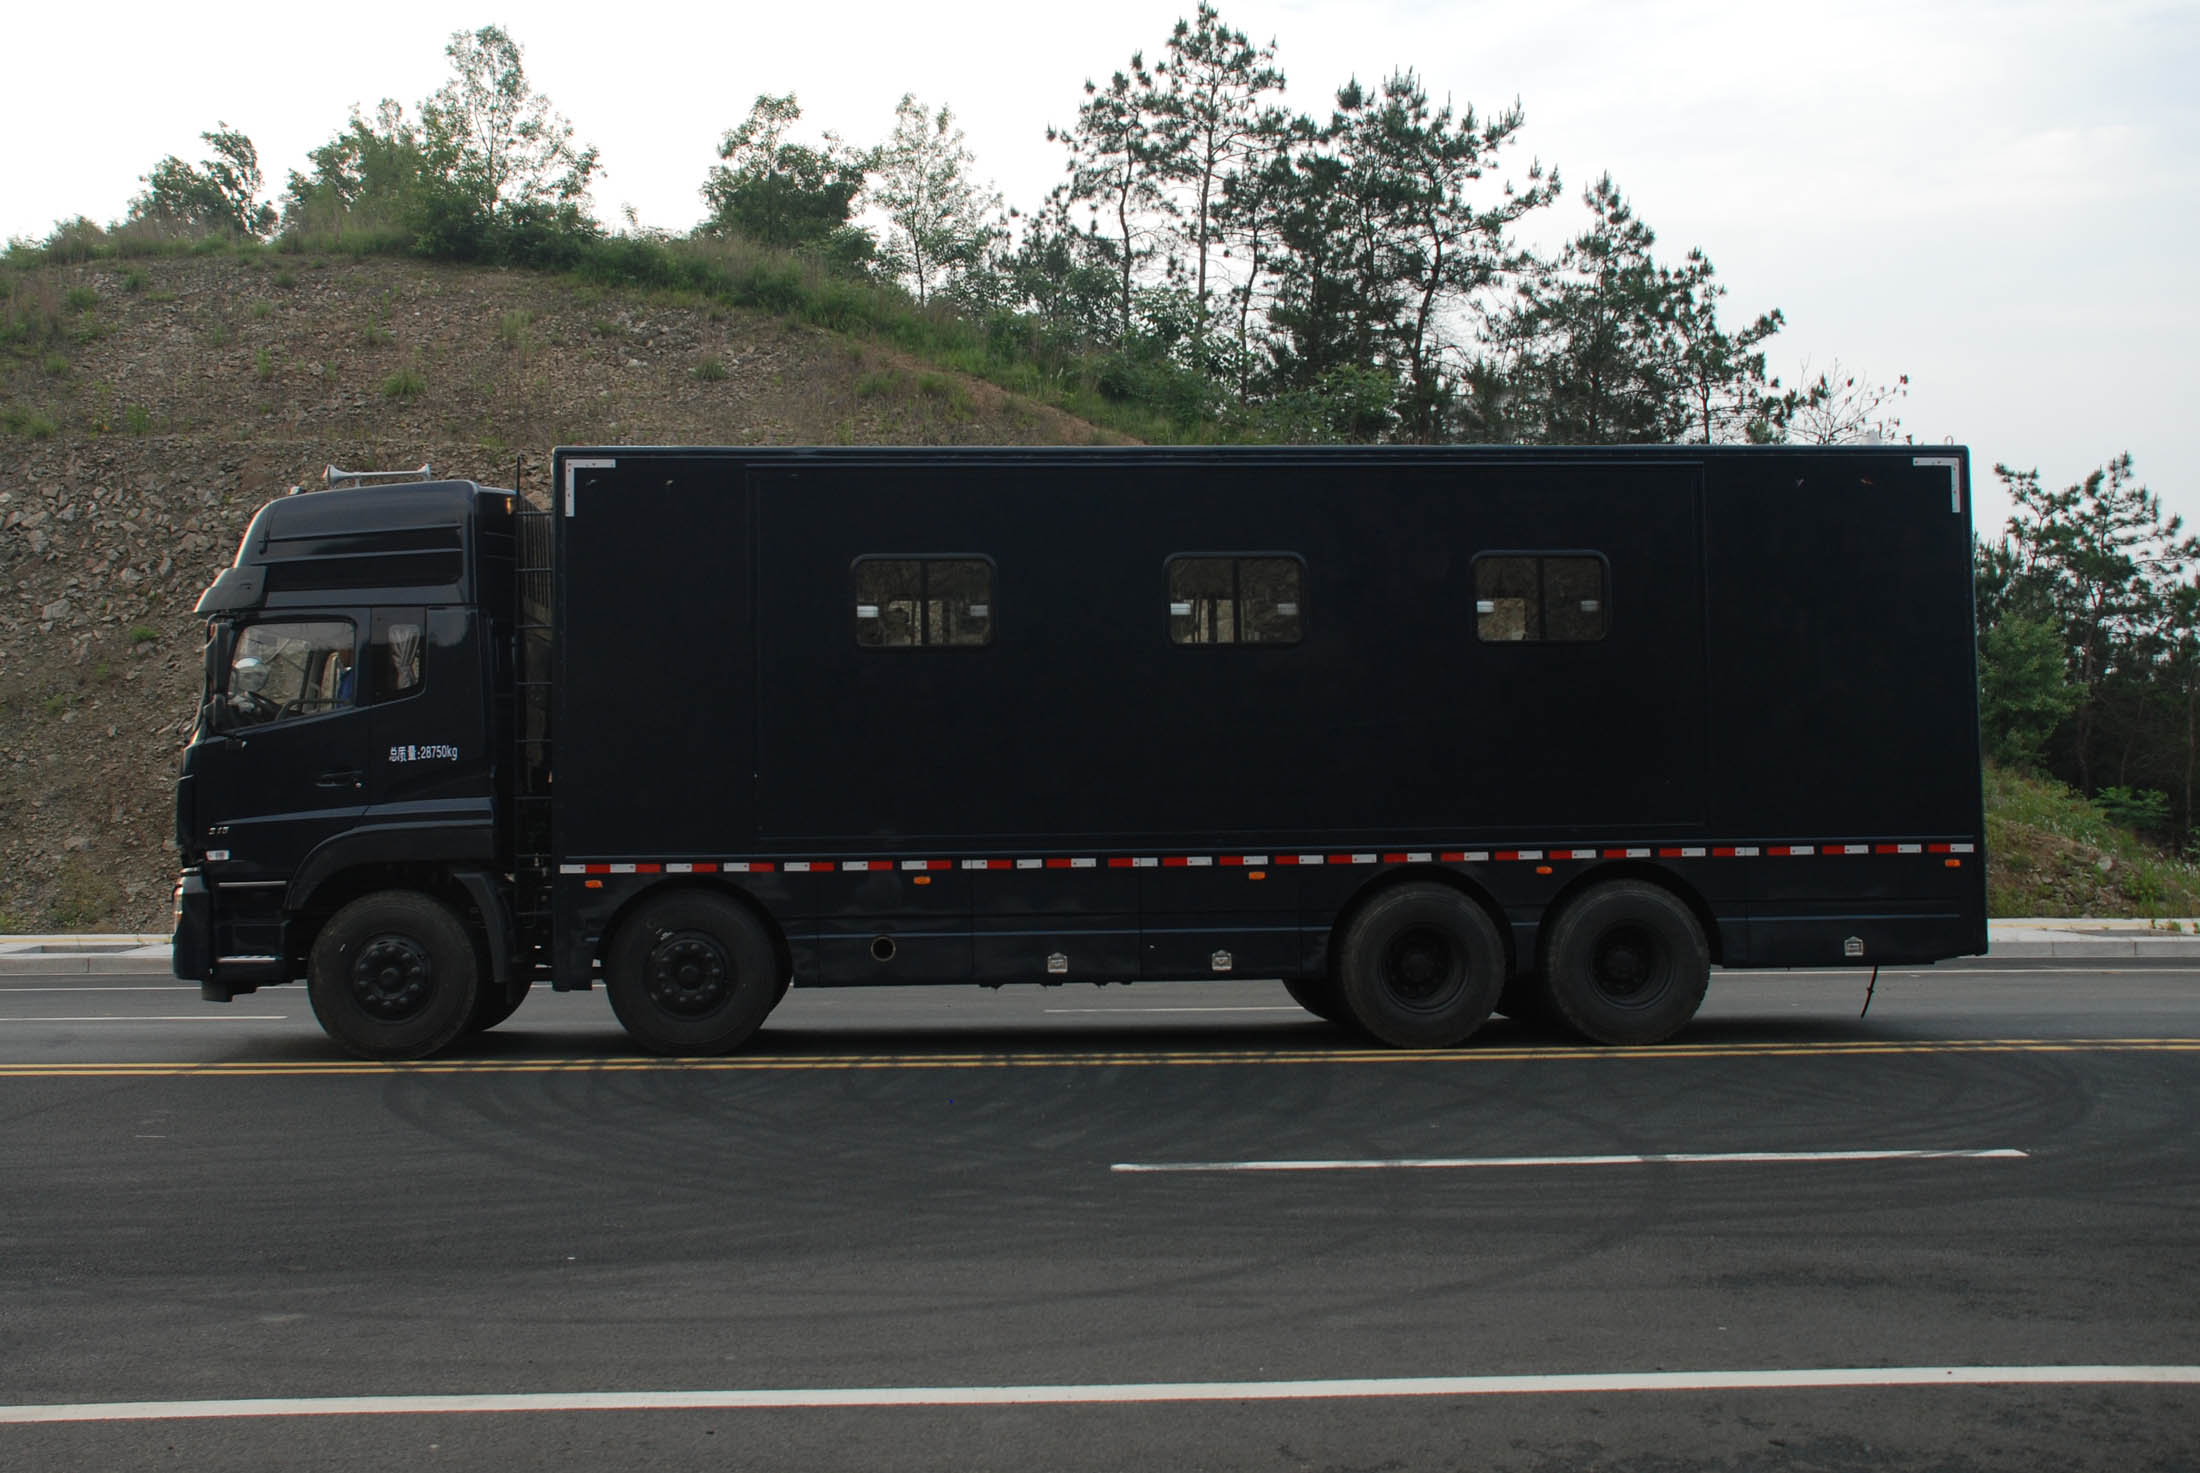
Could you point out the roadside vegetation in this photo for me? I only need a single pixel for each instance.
(2052, 852)
(1215, 265)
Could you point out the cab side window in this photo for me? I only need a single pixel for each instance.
(282, 671)
(396, 653)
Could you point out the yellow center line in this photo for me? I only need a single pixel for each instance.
(819, 1063)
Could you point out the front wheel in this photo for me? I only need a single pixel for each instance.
(1420, 966)
(692, 973)
(1627, 964)
(393, 976)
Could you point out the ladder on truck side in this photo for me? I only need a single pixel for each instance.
(532, 634)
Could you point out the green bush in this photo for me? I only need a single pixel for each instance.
(406, 383)
(2135, 808)
(32, 315)
(18, 420)
(84, 895)
(710, 371)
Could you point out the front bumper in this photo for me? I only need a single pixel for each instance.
(193, 943)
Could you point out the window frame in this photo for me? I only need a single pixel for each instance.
(1237, 599)
(924, 560)
(381, 620)
(296, 618)
(1540, 555)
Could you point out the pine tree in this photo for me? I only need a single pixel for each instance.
(1116, 169)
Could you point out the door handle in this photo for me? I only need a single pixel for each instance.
(344, 777)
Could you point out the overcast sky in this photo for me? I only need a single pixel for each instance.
(1998, 198)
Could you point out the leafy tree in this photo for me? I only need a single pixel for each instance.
(942, 219)
(373, 173)
(1209, 114)
(2023, 696)
(780, 193)
(497, 142)
(221, 194)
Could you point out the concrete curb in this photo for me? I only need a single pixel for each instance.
(2030, 939)
(77, 956)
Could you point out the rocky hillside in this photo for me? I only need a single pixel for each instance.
(148, 407)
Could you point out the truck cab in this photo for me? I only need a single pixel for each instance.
(348, 762)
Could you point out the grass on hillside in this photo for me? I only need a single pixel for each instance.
(2052, 852)
(1147, 401)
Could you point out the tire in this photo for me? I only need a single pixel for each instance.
(1319, 996)
(1627, 964)
(1420, 966)
(393, 976)
(692, 973)
(495, 1004)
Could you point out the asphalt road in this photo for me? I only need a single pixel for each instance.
(900, 1233)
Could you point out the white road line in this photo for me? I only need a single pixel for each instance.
(907, 1396)
(157, 1018)
(1668, 1158)
(2163, 969)
(1242, 1008)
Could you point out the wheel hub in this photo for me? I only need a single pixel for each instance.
(1628, 965)
(392, 977)
(1421, 968)
(689, 974)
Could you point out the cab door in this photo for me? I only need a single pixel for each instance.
(287, 764)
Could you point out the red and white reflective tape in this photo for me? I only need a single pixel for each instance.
(1261, 861)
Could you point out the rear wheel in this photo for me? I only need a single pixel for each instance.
(692, 973)
(393, 976)
(1627, 964)
(1420, 966)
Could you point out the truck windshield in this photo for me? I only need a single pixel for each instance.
(286, 670)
